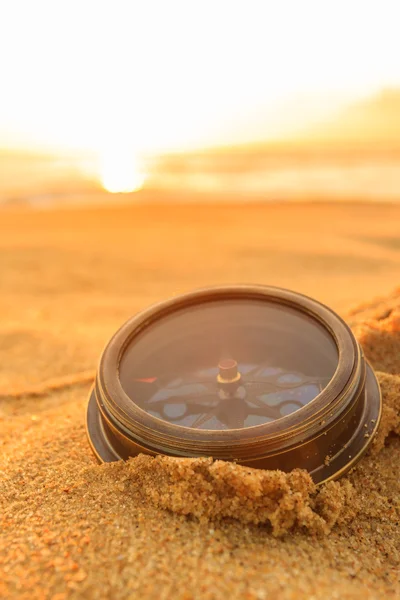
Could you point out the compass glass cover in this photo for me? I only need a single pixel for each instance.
(228, 364)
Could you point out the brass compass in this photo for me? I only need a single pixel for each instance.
(259, 375)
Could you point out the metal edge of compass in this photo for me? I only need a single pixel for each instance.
(335, 467)
(106, 437)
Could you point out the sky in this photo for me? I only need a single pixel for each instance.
(149, 76)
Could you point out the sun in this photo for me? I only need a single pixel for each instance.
(120, 171)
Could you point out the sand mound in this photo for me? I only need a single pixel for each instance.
(211, 489)
(390, 421)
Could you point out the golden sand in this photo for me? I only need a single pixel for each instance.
(169, 528)
(212, 490)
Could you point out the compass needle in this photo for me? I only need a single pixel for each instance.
(202, 419)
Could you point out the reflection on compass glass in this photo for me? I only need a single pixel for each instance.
(228, 364)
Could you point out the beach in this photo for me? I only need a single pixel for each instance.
(74, 529)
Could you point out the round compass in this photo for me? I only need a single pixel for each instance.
(262, 376)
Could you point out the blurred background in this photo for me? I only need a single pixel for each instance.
(258, 100)
(151, 147)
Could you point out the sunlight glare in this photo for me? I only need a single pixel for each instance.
(160, 86)
(120, 171)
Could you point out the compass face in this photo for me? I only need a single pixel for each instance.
(228, 364)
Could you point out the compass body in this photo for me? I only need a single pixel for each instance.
(257, 375)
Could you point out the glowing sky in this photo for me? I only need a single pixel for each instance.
(153, 75)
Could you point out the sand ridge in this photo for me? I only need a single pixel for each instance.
(212, 490)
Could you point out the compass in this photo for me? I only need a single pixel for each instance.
(261, 376)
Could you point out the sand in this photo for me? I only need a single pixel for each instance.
(162, 528)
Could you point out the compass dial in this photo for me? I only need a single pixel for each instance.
(228, 365)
